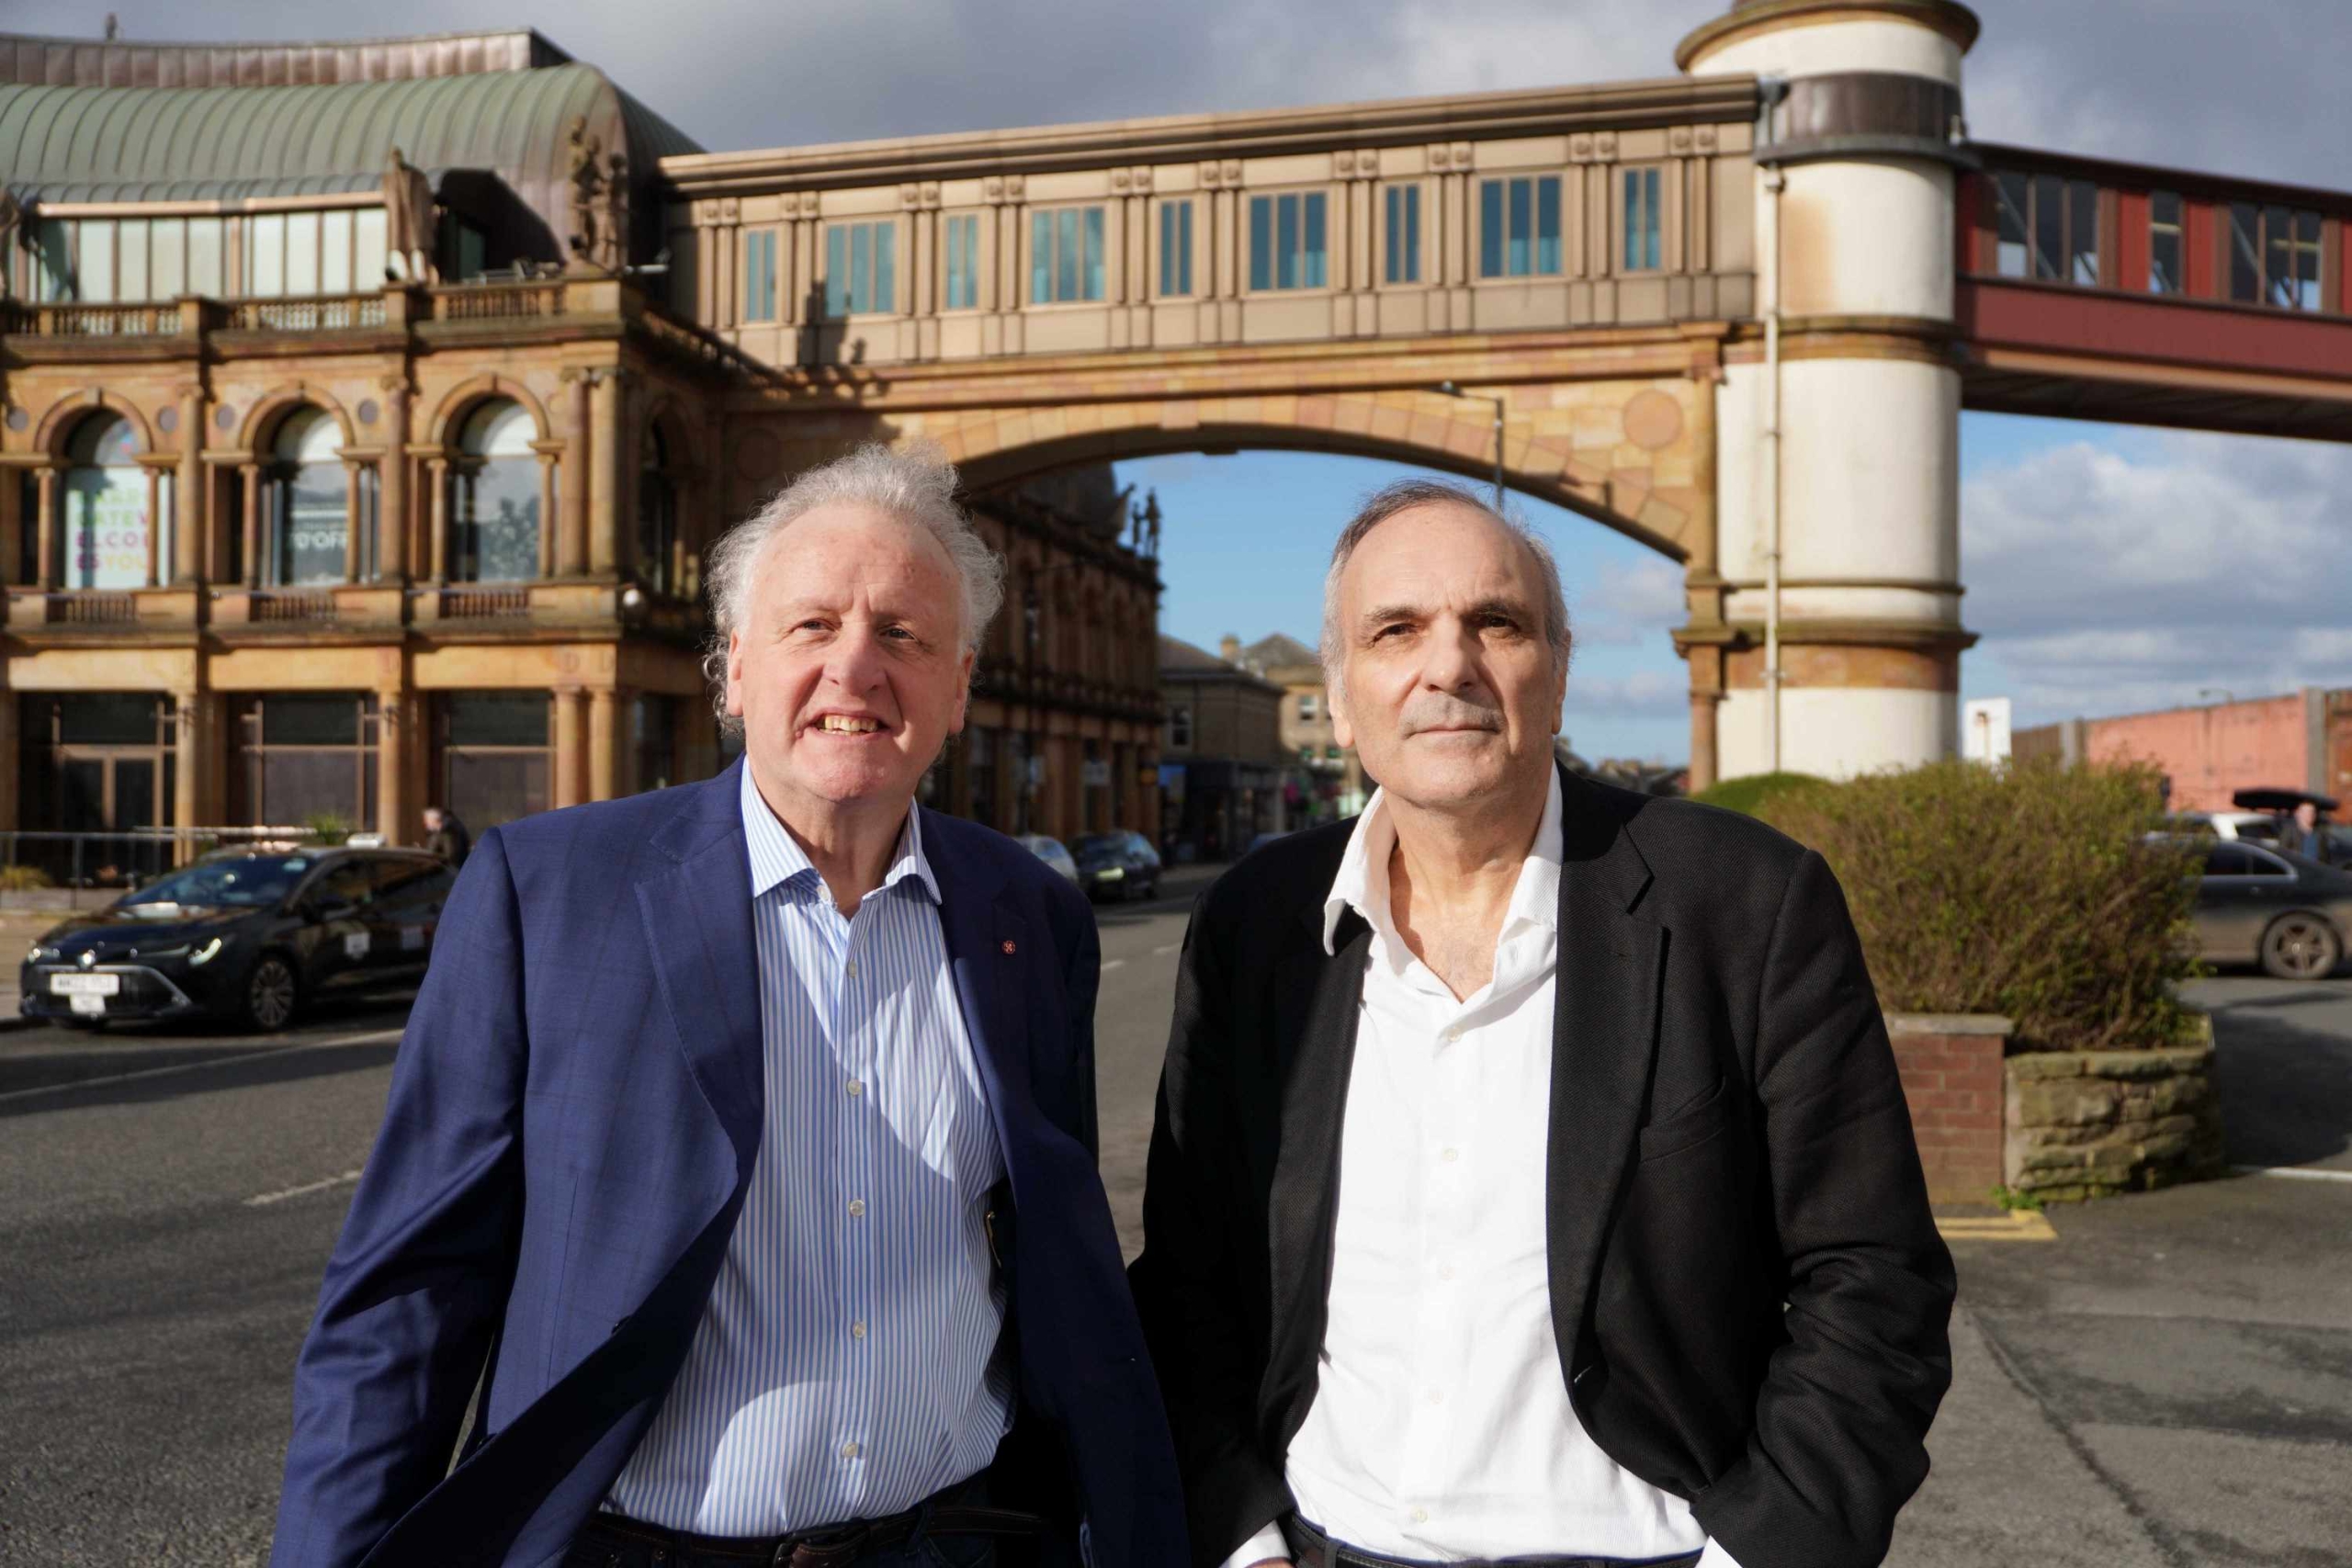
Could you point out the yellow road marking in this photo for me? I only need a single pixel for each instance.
(2017, 1225)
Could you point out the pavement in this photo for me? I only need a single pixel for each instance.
(2165, 1380)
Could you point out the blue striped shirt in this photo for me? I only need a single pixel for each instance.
(846, 1366)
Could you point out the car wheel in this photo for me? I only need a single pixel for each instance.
(271, 994)
(2300, 947)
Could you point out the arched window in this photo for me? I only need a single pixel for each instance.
(310, 518)
(657, 515)
(105, 506)
(494, 497)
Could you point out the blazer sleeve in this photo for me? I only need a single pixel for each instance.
(1840, 1442)
(1192, 1281)
(1080, 983)
(418, 1280)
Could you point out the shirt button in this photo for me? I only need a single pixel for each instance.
(1450, 1156)
(856, 1087)
(857, 1329)
(1453, 1034)
(857, 1208)
(1437, 1396)
(1445, 1272)
(851, 969)
(1420, 1515)
(848, 1451)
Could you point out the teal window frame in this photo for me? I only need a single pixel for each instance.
(1067, 250)
(1401, 231)
(861, 269)
(759, 275)
(1289, 241)
(1519, 226)
(961, 286)
(1176, 249)
(1643, 244)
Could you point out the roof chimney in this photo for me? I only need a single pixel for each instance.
(1229, 648)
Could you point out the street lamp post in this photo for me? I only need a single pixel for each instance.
(1449, 389)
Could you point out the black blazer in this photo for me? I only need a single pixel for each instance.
(1747, 1291)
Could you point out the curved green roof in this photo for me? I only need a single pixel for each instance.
(69, 143)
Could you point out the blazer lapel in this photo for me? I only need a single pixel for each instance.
(1317, 999)
(1604, 1041)
(984, 933)
(697, 919)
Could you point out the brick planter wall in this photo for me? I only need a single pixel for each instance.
(2086, 1124)
(1951, 1076)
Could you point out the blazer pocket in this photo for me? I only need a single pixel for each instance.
(1686, 1128)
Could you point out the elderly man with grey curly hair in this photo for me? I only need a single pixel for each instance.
(739, 1161)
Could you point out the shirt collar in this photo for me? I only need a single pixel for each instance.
(1362, 882)
(777, 858)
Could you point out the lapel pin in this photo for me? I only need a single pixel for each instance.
(1007, 950)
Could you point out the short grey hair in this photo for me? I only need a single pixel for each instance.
(917, 484)
(1403, 496)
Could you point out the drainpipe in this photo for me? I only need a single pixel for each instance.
(1775, 183)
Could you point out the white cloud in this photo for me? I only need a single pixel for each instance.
(1626, 604)
(1642, 693)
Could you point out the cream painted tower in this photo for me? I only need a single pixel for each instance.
(1838, 422)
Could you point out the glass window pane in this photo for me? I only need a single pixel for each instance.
(368, 249)
(1093, 253)
(1066, 253)
(1490, 229)
(97, 259)
(886, 268)
(301, 253)
(2245, 253)
(837, 270)
(105, 510)
(2048, 227)
(1412, 234)
(167, 257)
(1393, 231)
(310, 721)
(204, 248)
(2082, 232)
(861, 267)
(335, 253)
(2009, 224)
(484, 719)
(53, 239)
(1547, 225)
(1315, 272)
(1041, 258)
(1261, 242)
(2165, 244)
(266, 253)
(1168, 250)
(1286, 242)
(1522, 223)
(1184, 250)
(130, 260)
(2307, 260)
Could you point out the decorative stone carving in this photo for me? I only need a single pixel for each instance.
(1705, 138)
(409, 218)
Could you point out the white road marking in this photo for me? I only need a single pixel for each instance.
(1168, 948)
(1113, 963)
(305, 1189)
(372, 1037)
(2294, 1172)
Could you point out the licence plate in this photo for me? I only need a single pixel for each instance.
(91, 985)
(81, 1002)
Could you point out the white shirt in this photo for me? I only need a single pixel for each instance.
(846, 1365)
(1440, 1428)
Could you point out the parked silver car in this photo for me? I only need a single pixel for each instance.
(1053, 852)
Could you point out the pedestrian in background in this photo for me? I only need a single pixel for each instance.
(2300, 834)
(1531, 1179)
(741, 1145)
(447, 837)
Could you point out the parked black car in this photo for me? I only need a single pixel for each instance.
(1116, 865)
(243, 935)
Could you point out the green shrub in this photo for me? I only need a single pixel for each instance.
(1753, 794)
(2030, 890)
(328, 826)
(23, 878)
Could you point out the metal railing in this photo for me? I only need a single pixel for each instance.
(94, 868)
(319, 313)
(65, 319)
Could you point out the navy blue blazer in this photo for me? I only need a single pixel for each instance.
(573, 1117)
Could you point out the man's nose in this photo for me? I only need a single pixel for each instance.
(855, 660)
(1453, 663)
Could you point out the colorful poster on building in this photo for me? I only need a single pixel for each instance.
(106, 528)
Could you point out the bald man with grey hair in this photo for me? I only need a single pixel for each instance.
(1531, 1181)
(741, 1146)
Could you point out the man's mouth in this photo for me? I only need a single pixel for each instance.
(849, 724)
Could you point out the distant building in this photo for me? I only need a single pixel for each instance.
(2301, 741)
(1221, 754)
(1326, 781)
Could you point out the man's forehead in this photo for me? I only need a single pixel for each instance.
(1440, 551)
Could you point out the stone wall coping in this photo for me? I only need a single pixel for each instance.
(2111, 1064)
(1948, 1023)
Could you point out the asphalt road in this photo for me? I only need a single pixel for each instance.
(2169, 1383)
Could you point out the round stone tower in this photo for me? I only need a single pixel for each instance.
(1835, 639)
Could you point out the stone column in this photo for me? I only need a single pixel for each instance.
(547, 514)
(609, 465)
(396, 717)
(436, 475)
(190, 757)
(391, 490)
(249, 477)
(10, 712)
(11, 524)
(571, 745)
(45, 530)
(351, 473)
(1703, 766)
(155, 478)
(604, 749)
(571, 552)
(189, 494)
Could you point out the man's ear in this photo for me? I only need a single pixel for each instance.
(963, 691)
(1343, 728)
(734, 675)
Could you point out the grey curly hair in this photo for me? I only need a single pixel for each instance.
(917, 484)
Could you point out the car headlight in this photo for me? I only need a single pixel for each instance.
(40, 955)
(1111, 872)
(209, 952)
